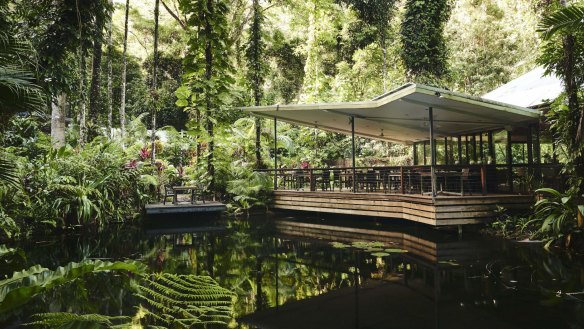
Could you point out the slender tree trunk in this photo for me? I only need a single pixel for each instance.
(109, 76)
(198, 118)
(384, 49)
(58, 114)
(154, 81)
(94, 94)
(258, 143)
(82, 101)
(124, 65)
(208, 75)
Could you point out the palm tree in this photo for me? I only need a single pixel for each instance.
(18, 91)
(566, 20)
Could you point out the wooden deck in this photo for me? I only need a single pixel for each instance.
(185, 208)
(424, 247)
(442, 211)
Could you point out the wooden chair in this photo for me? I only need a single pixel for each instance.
(168, 192)
(337, 179)
(326, 180)
(198, 192)
(371, 181)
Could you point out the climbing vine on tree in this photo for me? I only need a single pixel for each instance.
(207, 85)
(424, 50)
(256, 68)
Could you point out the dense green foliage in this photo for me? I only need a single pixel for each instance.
(424, 49)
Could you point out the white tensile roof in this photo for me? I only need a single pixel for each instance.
(532, 89)
(401, 115)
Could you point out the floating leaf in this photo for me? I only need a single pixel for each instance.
(395, 250)
(380, 254)
(374, 249)
(339, 245)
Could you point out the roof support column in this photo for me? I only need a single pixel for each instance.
(415, 151)
(509, 161)
(275, 153)
(353, 152)
(432, 151)
(459, 140)
(492, 154)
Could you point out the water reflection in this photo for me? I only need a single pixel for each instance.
(287, 274)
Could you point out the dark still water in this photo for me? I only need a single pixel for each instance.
(299, 272)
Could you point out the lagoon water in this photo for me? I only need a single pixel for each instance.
(294, 271)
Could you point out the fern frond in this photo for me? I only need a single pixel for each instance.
(185, 300)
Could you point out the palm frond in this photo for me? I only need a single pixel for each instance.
(8, 174)
(568, 19)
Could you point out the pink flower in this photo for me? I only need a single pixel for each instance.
(133, 164)
(144, 153)
(304, 165)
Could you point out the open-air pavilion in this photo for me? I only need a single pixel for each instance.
(469, 155)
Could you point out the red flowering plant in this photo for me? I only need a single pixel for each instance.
(304, 165)
(133, 164)
(144, 153)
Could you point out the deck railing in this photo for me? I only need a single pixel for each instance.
(447, 179)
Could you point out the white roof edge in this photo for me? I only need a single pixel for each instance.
(397, 93)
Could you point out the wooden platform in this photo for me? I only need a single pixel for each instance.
(443, 210)
(185, 207)
(426, 248)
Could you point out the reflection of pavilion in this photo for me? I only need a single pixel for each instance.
(469, 154)
(438, 284)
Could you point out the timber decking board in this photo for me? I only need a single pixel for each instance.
(443, 210)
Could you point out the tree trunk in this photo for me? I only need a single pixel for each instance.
(154, 82)
(124, 64)
(208, 105)
(109, 77)
(258, 143)
(94, 93)
(58, 120)
(82, 99)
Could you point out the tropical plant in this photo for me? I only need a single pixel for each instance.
(18, 91)
(22, 286)
(566, 20)
(185, 301)
(249, 188)
(63, 320)
(556, 214)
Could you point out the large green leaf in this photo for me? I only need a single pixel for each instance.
(24, 285)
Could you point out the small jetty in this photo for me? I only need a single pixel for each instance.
(185, 208)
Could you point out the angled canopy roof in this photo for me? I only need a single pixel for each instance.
(532, 89)
(401, 115)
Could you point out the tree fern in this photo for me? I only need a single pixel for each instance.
(185, 301)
